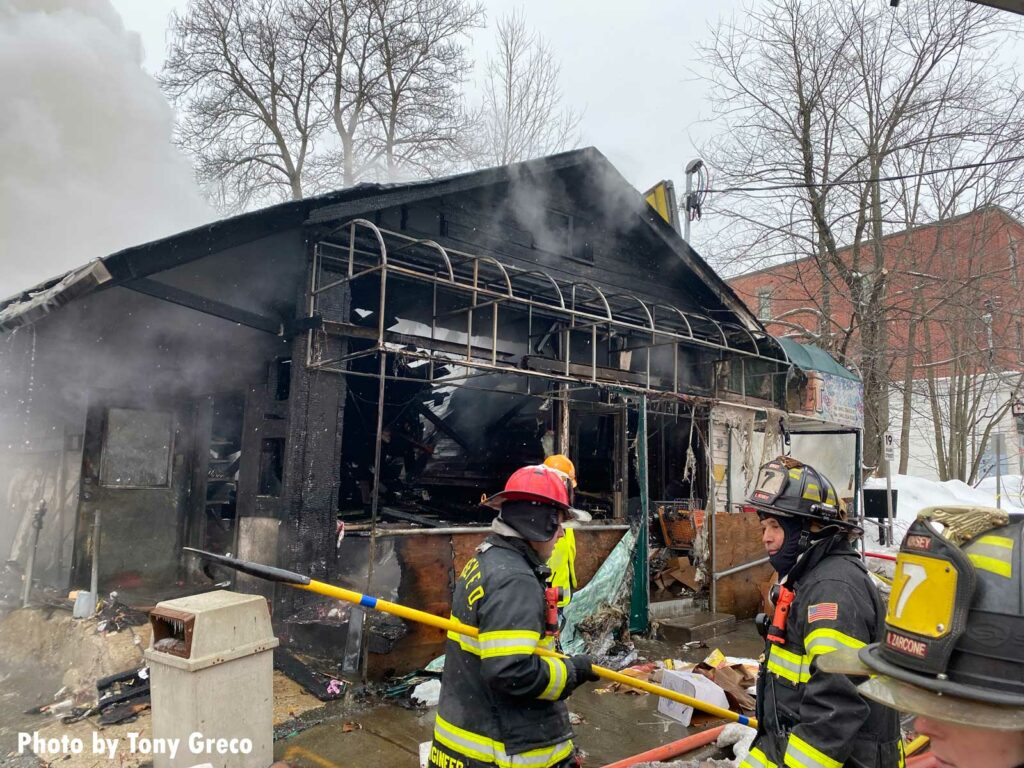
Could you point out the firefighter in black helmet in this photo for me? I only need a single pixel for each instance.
(824, 601)
(953, 648)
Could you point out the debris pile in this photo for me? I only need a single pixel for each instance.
(323, 685)
(672, 577)
(725, 681)
(421, 688)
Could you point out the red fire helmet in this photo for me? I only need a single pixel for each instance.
(534, 483)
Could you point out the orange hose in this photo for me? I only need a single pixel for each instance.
(676, 748)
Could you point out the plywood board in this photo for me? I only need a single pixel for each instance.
(738, 540)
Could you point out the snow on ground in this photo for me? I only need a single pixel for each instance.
(916, 493)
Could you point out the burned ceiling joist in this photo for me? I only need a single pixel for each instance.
(207, 306)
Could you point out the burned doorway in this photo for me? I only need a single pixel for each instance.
(135, 473)
(599, 446)
(678, 488)
(218, 434)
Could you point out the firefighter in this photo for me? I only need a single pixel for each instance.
(500, 703)
(563, 559)
(953, 648)
(825, 600)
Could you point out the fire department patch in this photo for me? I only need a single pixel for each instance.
(822, 612)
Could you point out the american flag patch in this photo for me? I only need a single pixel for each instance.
(822, 612)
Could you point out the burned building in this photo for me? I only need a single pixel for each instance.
(331, 384)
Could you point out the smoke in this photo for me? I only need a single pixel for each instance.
(87, 166)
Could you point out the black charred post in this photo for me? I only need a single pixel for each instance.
(313, 452)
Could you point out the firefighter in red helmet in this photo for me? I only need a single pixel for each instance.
(824, 601)
(501, 704)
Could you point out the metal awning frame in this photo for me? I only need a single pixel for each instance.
(360, 249)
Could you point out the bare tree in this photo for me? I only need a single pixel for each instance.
(522, 115)
(282, 97)
(420, 118)
(345, 46)
(823, 101)
(244, 77)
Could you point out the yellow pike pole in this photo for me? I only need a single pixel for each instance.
(299, 581)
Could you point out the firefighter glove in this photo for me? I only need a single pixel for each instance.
(584, 669)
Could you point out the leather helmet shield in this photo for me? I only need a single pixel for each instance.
(771, 482)
(931, 596)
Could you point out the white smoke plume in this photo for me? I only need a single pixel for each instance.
(86, 161)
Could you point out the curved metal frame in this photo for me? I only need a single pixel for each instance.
(583, 309)
(597, 292)
(550, 279)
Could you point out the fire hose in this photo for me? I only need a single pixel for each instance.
(299, 581)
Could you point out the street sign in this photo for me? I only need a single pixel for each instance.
(889, 443)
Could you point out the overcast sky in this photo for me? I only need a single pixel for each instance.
(627, 64)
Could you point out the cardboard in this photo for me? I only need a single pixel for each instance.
(734, 680)
(691, 684)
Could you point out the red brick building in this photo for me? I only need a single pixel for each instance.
(953, 310)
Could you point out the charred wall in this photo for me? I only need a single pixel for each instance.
(71, 376)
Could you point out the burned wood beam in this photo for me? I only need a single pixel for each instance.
(408, 517)
(202, 304)
(604, 374)
(510, 414)
(391, 337)
(438, 422)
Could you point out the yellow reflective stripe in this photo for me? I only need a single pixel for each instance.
(468, 644)
(757, 759)
(800, 754)
(826, 640)
(486, 750)
(548, 641)
(780, 652)
(524, 635)
(811, 492)
(788, 665)
(996, 541)
(503, 643)
(993, 554)
(557, 676)
(991, 564)
(507, 642)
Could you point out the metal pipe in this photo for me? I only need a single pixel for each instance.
(375, 501)
(711, 506)
(728, 468)
(739, 568)
(94, 582)
(37, 524)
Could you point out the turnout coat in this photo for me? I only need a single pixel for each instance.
(807, 718)
(502, 705)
